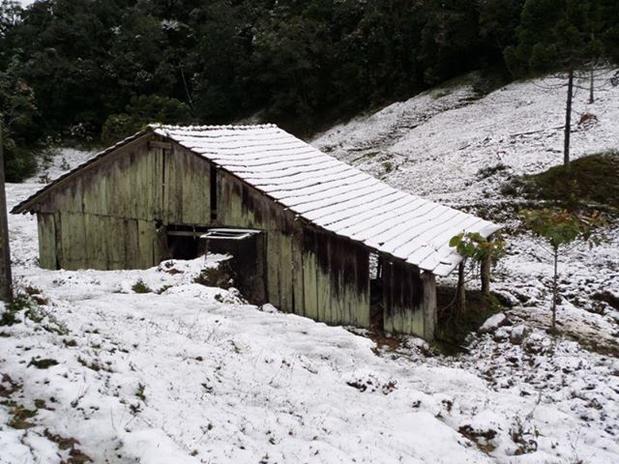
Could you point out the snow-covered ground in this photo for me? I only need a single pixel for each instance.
(191, 374)
(449, 146)
(436, 143)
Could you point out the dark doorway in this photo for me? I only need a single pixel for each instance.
(377, 308)
(183, 241)
(246, 248)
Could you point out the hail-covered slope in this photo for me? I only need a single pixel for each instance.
(333, 194)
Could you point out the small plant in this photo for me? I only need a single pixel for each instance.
(8, 318)
(561, 228)
(163, 289)
(387, 166)
(141, 287)
(44, 363)
(140, 392)
(524, 436)
(484, 253)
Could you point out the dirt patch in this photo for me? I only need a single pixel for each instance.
(76, 456)
(608, 298)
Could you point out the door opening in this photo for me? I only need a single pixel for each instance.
(246, 248)
(183, 241)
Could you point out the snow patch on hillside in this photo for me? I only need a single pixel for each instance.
(60, 161)
(435, 144)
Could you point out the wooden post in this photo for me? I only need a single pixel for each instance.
(461, 290)
(568, 117)
(555, 288)
(591, 86)
(6, 282)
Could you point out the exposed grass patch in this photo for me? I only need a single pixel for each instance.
(591, 181)
(76, 456)
(43, 363)
(94, 365)
(20, 416)
(490, 171)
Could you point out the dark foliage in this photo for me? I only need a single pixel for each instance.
(590, 181)
(80, 68)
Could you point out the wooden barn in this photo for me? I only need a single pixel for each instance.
(325, 240)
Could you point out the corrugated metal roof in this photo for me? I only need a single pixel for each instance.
(333, 194)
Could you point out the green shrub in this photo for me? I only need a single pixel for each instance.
(141, 287)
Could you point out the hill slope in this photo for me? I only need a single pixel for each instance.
(451, 146)
(191, 374)
(436, 143)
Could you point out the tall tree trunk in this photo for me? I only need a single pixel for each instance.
(485, 276)
(555, 289)
(568, 117)
(460, 290)
(6, 281)
(591, 86)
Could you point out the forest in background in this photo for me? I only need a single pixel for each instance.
(94, 71)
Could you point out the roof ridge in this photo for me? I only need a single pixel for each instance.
(213, 126)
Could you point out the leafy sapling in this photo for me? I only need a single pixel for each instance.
(483, 252)
(560, 229)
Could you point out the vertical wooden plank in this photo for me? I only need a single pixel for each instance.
(273, 263)
(429, 305)
(146, 244)
(73, 241)
(47, 240)
(363, 281)
(285, 272)
(309, 286)
(60, 260)
(94, 233)
(323, 284)
(387, 296)
(297, 270)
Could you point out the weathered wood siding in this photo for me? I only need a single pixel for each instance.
(113, 216)
(108, 216)
(309, 272)
(403, 297)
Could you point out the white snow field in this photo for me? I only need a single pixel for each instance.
(191, 374)
(435, 144)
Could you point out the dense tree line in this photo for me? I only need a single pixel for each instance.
(92, 68)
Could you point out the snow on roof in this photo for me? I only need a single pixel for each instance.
(334, 195)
